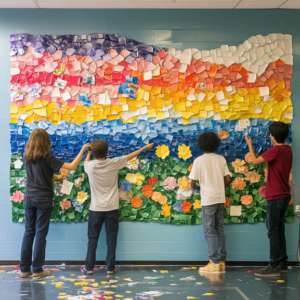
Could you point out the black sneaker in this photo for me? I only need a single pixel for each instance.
(86, 272)
(283, 269)
(268, 272)
(112, 271)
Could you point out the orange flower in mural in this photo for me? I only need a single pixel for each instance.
(246, 200)
(239, 183)
(248, 158)
(136, 202)
(163, 200)
(166, 210)
(186, 207)
(252, 176)
(147, 191)
(291, 201)
(156, 196)
(190, 168)
(227, 204)
(242, 169)
(184, 183)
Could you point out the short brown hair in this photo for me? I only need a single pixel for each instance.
(38, 145)
(99, 148)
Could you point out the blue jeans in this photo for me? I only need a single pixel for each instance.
(276, 210)
(213, 229)
(96, 220)
(37, 213)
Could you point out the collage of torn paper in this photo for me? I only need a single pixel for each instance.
(81, 88)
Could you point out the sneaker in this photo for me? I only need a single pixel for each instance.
(268, 272)
(112, 271)
(41, 274)
(222, 267)
(210, 268)
(283, 269)
(26, 274)
(86, 272)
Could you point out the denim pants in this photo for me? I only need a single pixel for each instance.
(37, 213)
(276, 210)
(96, 220)
(213, 229)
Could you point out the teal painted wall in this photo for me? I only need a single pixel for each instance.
(181, 29)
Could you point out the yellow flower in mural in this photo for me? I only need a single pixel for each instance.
(238, 163)
(197, 204)
(81, 197)
(184, 152)
(135, 178)
(162, 151)
(166, 210)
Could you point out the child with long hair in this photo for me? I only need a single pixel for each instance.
(40, 165)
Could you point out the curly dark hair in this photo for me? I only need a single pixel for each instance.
(208, 142)
(280, 131)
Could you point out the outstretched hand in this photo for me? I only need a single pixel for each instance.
(248, 140)
(149, 146)
(86, 146)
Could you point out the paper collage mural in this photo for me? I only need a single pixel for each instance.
(100, 86)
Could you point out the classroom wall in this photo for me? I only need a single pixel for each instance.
(181, 29)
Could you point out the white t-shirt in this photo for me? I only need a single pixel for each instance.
(103, 178)
(210, 169)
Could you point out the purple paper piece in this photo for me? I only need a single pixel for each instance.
(118, 48)
(100, 52)
(129, 46)
(77, 39)
(40, 50)
(114, 37)
(106, 44)
(107, 57)
(100, 35)
(76, 46)
(70, 51)
(87, 46)
(94, 36)
(96, 57)
(148, 58)
(82, 52)
(38, 38)
(129, 59)
(122, 40)
(91, 52)
(149, 49)
(19, 44)
(13, 37)
(51, 49)
(21, 51)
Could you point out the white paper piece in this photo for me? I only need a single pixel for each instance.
(18, 164)
(230, 90)
(107, 99)
(236, 210)
(201, 97)
(288, 115)
(220, 95)
(257, 110)
(66, 96)
(251, 78)
(101, 99)
(125, 116)
(210, 114)
(224, 102)
(56, 93)
(147, 76)
(244, 123)
(23, 116)
(125, 107)
(217, 117)
(264, 91)
(143, 110)
(60, 83)
(66, 187)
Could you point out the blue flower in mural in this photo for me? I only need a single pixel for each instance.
(177, 207)
(126, 186)
(78, 207)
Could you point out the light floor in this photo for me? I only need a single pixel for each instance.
(150, 283)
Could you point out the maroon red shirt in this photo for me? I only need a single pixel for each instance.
(279, 159)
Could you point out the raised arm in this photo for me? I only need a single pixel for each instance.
(138, 152)
(73, 165)
(88, 157)
(255, 160)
